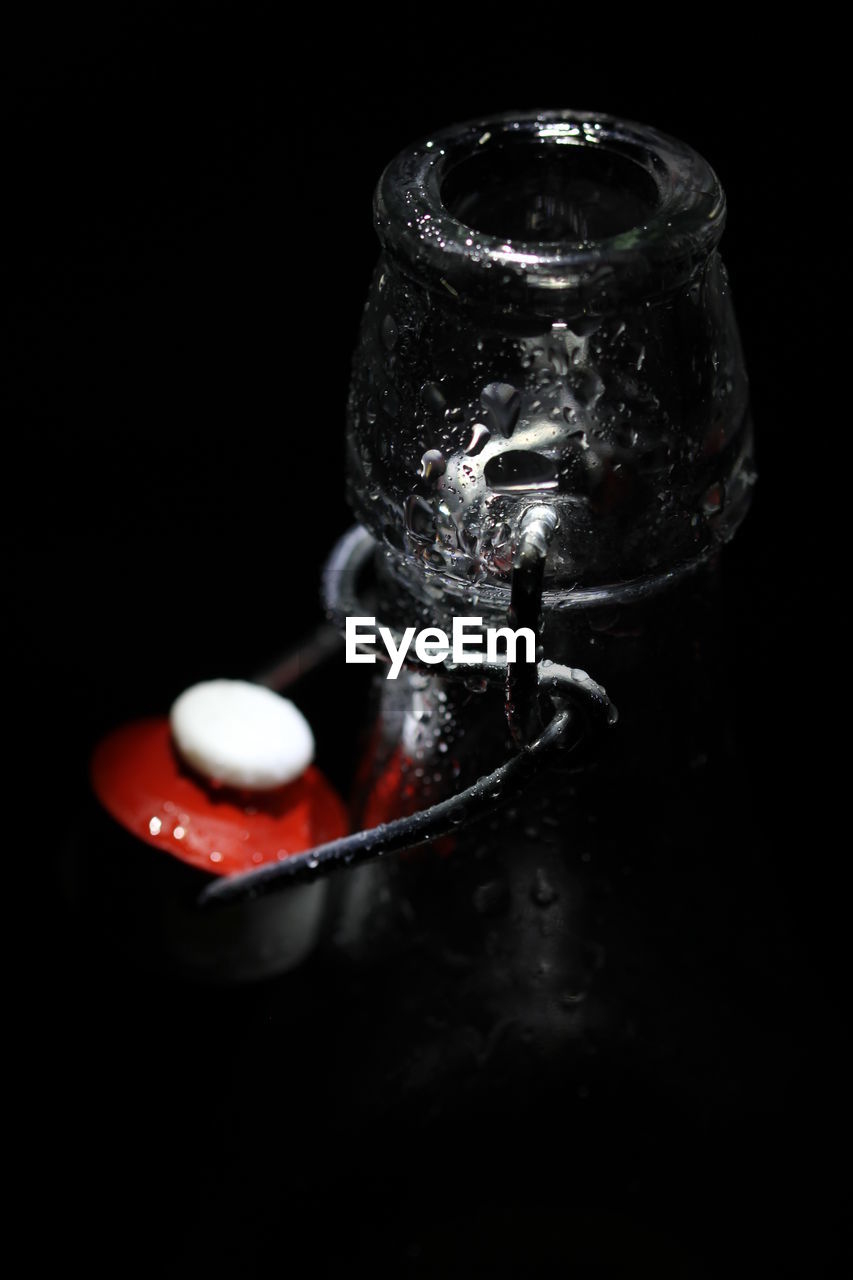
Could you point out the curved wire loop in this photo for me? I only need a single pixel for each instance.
(567, 687)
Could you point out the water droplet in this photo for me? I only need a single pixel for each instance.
(480, 435)
(502, 404)
(518, 471)
(432, 464)
(420, 520)
(587, 386)
(432, 397)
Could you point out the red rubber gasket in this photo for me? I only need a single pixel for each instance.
(139, 779)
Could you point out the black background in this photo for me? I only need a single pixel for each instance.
(187, 243)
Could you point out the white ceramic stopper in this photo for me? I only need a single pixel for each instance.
(241, 734)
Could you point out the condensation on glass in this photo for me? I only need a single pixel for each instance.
(549, 320)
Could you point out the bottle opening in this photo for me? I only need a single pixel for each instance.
(542, 212)
(550, 194)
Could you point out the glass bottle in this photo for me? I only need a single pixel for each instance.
(548, 357)
(549, 332)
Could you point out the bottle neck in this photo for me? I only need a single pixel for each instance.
(619, 635)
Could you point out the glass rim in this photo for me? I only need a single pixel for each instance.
(416, 226)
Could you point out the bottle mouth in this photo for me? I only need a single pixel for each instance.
(542, 208)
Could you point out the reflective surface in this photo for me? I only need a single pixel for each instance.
(549, 316)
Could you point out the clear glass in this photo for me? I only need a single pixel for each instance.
(549, 320)
(549, 325)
